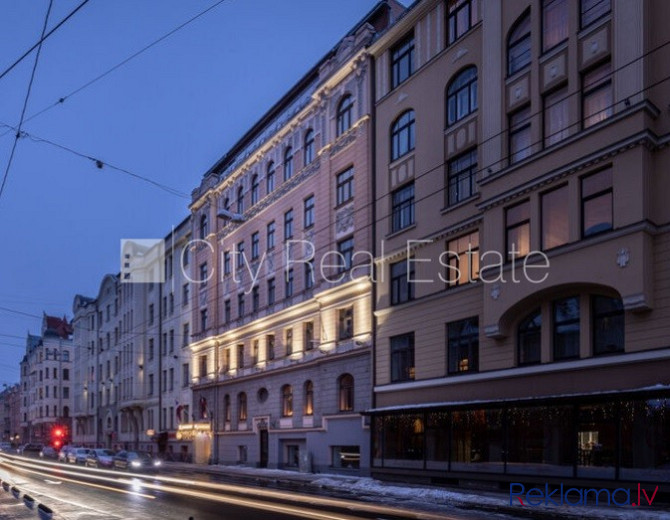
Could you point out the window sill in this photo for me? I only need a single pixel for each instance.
(460, 203)
(400, 160)
(394, 234)
(594, 25)
(553, 51)
(511, 78)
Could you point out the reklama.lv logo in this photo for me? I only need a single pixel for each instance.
(620, 497)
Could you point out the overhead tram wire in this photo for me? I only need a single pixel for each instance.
(25, 102)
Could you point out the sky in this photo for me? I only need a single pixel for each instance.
(168, 115)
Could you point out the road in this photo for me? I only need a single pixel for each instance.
(75, 492)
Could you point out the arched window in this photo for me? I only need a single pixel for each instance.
(346, 392)
(309, 146)
(203, 226)
(287, 401)
(462, 95)
(254, 189)
(309, 398)
(529, 341)
(288, 163)
(240, 200)
(518, 44)
(402, 135)
(226, 204)
(242, 406)
(226, 408)
(270, 178)
(344, 114)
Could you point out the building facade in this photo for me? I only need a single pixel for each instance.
(46, 381)
(521, 160)
(10, 413)
(282, 317)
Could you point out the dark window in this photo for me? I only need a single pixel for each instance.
(288, 284)
(286, 401)
(346, 386)
(462, 15)
(308, 213)
(608, 325)
(402, 135)
(255, 299)
(185, 297)
(288, 224)
(402, 285)
(345, 186)
(308, 336)
(461, 173)
(254, 189)
(309, 398)
(271, 235)
(255, 245)
(529, 338)
(555, 14)
(227, 311)
(556, 116)
(597, 95)
(203, 226)
(242, 406)
(402, 357)
(597, 203)
(463, 345)
(270, 178)
(463, 259)
(203, 272)
(309, 146)
(555, 230)
(269, 347)
(517, 230)
(402, 210)
(462, 95)
(519, 135)
(271, 291)
(345, 328)
(592, 10)
(240, 254)
(288, 163)
(518, 45)
(240, 355)
(289, 341)
(346, 250)
(309, 274)
(566, 328)
(240, 200)
(402, 60)
(240, 305)
(344, 114)
(226, 204)
(227, 268)
(254, 351)
(203, 320)
(226, 408)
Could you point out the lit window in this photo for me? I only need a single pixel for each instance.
(242, 406)
(597, 203)
(287, 401)
(344, 114)
(402, 135)
(309, 398)
(555, 15)
(345, 318)
(402, 61)
(462, 95)
(463, 345)
(518, 45)
(463, 255)
(517, 226)
(555, 229)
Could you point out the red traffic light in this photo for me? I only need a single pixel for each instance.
(58, 432)
(57, 444)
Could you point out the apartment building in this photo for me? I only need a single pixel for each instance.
(10, 413)
(46, 384)
(522, 228)
(282, 314)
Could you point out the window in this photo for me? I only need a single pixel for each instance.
(150, 390)
(203, 320)
(463, 259)
(608, 325)
(203, 272)
(271, 291)
(242, 407)
(240, 305)
(462, 95)
(186, 253)
(226, 408)
(240, 355)
(566, 328)
(309, 146)
(592, 10)
(255, 243)
(203, 226)
(308, 214)
(270, 178)
(597, 95)
(402, 60)
(288, 163)
(255, 350)
(255, 299)
(309, 273)
(519, 135)
(151, 318)
(402, 135)
(402, 285)
(185, 376)
(240, 200)
(227, 311)
(556, 124)
(254, 189)
(240, 254)
(226, 263)
(185, 296)
(402, 357)
(517, 230)
(171, 341)
(287, 401)
(271, 235)
(288, 224)
(226, 204)
(529, 338)
(345, 319)
(554, 23)
(346, 386)
(597, 203)
(308, 399)
(463, 345)
(288, 335)
(346, 250)
(518, 45)
(461, 177)
(186, 333)
(344, 114)
(402, 210)
(150, 348)
(345, 186)
(555, 229)
(203, 366)
(462, 15)
(225, 365)
(308, 335)
(171, 379)
(269, 347)
(288, 283)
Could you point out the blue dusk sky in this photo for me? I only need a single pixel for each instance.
(168, 115)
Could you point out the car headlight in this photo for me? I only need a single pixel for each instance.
(136, 464)
(157, 463)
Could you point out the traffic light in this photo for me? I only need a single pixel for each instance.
(58, 436)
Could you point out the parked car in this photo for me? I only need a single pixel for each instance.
(136, 461)
(30, 449)
(6, 447)
(100, 458)
(78, 455)
(63, 453)
(49, 452)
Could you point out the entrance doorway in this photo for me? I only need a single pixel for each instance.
(263, 434)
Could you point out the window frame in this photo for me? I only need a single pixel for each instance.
(402, 60)
(402, 357)
(584, 200)
(397, 294)
(403, 135)
(467, 173)
(597, 316)
(590, 90)
(526, 328)
(347, 254)
(286, 401)
(288, 163)
(309, 145)
(517, 128)
(255, 189)
(344, 114)
(344, 186)
(402, 207)
(288, 224)
(270, 178)
(308, 211)
(566, 322)
(590, 21)
(464, 83)
(470, 341)
(454, 8)
(346, 393)
(515, 41)
(515, 225)
(546, 29)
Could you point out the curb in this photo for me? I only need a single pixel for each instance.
(43, 511)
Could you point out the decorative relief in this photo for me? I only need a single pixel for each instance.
(344, 220)
(623, 257)
(495, 292)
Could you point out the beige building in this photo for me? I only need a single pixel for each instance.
(523, 233)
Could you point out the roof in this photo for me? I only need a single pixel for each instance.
(53, 326)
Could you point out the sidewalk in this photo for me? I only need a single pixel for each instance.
(413, 496)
